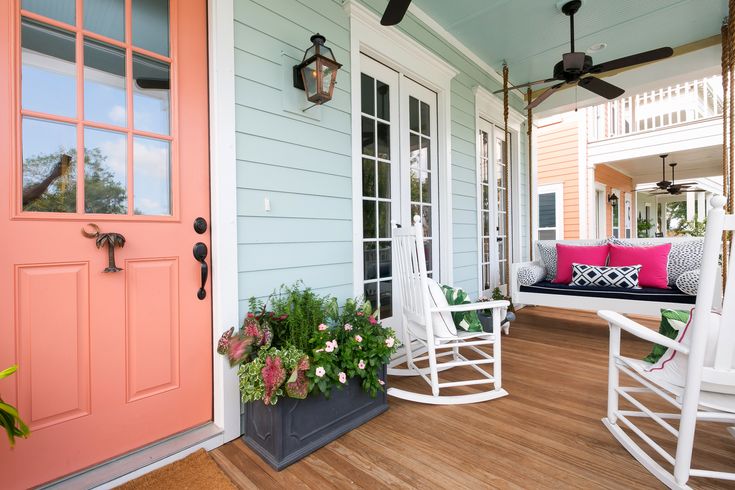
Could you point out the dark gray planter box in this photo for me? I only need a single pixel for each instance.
(292, 429)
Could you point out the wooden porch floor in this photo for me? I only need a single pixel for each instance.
(546, 434)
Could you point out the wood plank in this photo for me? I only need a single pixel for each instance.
(546, 434)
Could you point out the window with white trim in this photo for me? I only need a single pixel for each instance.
(615, 212)
(550, 212)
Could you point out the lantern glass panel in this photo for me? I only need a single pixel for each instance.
(309, 74)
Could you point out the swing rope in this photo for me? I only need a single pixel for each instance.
(529, 159)
(728, 127)
(506, 159)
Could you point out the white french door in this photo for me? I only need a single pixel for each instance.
(492, 189)
(399, 176)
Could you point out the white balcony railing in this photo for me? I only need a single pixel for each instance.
(676, 104)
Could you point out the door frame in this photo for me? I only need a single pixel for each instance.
(401, 53)
(223, 209)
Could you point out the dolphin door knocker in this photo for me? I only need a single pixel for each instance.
(112, 240)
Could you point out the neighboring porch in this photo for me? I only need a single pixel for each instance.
(547, 435)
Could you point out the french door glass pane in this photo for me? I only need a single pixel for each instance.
(151, 176)
(49, 166)
(382, 101)
(151, 79)
(61, 10)
(49, 70)
(150, 25)
(367, 94)
(104, 84)
(105, 17)
(105, 171)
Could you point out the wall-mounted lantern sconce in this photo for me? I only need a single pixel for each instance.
(317, 72)
(612, 199)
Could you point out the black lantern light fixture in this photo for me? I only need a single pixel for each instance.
(317, 72)
(612, 199)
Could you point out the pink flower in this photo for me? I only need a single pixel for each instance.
(359, 313)
(322, 327)
(381, 382)
(372, 320)
(361, 364)
(320, 372)
(358, 338)
(390, 341)
(342, 378)
(348, 327)
(251, 315)
(330, 347)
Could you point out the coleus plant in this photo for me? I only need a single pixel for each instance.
(9, 418)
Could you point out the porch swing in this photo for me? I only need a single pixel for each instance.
(429, 333)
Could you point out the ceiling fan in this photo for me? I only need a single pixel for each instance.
(672, 188)
(663, 184)
(575, 65)
(394, 12)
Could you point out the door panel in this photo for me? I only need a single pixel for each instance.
(105, 358)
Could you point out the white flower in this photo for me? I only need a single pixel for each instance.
(322, 327)
(320, 372)
(358, 338)
(361, 364)
(390, 341)
(348, 327)
(342, 378)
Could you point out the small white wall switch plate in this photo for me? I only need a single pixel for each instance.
(267, 204)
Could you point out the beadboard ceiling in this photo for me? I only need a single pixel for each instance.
(531, 35)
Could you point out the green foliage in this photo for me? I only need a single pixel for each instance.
(9, 418)
(297, 310)
(692, 228)
(644, 226)
(252, 385)
(103, 194)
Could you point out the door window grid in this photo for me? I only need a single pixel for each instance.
(421, 172)
(376, 195)
(485, 191)
(56, 181)
(501, 189)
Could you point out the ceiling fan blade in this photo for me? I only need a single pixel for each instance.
(686, 184)
(394, 12)
(545, 95)
(527, 84)
(601, 87)
(632, 60)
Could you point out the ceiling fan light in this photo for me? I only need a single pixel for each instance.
(574, 62)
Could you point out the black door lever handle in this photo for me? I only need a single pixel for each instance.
(200, 254)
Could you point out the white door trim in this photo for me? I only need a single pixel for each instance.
(223, 211)
(400, 52)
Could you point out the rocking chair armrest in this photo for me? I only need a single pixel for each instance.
(485, 305)
(640, 331)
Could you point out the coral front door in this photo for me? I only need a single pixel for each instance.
(104, 151)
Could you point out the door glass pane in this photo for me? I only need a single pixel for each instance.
(49, 70)
(61, 10)
(384, 180)
(49, 166)
(368, 136)
(368, 177)
(386, 299)
(105, 17)
(370, 260)
(367, 94)
(385, 258)
(383, 100)
(104, 83)
(368, 218)
(413, 114)
(105, 171)
(383, 141)
(425, 118)
(151, 80)
(151, 176)
(150, 25)
(384, 219)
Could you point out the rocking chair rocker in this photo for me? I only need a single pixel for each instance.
(425, 340)
(696, 375)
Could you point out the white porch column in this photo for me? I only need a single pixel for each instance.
(690, 206)
(701, 203)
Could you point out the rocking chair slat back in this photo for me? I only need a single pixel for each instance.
(410, 263)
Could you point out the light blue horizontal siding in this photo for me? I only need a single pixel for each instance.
(299, 165)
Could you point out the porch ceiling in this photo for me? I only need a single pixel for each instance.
(692, 164)
(531, 35)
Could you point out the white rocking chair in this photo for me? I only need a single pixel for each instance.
(698, 377)
(420, 339)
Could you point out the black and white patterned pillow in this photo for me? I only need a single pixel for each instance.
(686, 254)
(528, 275)
(688, 282)
(613, 277)
(547, 253)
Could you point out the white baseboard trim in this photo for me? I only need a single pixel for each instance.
(137, 463)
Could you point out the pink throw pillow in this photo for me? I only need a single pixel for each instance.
(566, 255)
(653, 260)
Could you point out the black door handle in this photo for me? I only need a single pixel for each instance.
(200, 254)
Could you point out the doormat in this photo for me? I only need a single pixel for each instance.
(198, 470)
